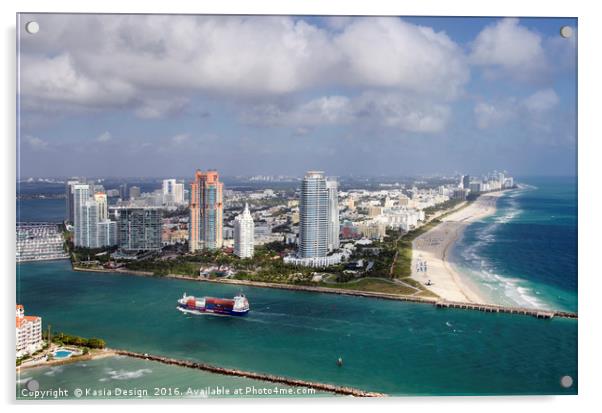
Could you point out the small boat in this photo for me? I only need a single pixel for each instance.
(237, 306)
(340, 362)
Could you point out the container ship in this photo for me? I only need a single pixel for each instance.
(237, 306)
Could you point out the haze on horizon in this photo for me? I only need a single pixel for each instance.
(160, 96)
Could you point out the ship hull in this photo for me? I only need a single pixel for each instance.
(211, 311)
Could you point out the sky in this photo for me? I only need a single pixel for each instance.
(164, 95)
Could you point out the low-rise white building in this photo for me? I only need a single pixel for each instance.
(29, 333)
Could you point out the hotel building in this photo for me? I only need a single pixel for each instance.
(244, 232)
(206, 211)
(29, 333)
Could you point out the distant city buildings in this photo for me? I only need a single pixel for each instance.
(139, 228)
(92, 226)
(28, 333)
(206, 212)
(173, 192)
(134, 192)
(244, 234)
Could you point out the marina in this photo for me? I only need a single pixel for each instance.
(39, 241)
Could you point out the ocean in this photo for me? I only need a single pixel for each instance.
(526, 253)
(398, 348)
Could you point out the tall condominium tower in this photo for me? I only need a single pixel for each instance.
(173, 192)
(81, 194)
(244, 232)
(333, 215)
(206, 211)
(69, 199)
(313, 214)
(103, 211)
(139, 228)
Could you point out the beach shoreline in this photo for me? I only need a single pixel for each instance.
(431, 252)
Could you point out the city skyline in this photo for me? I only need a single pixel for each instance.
(423, 95)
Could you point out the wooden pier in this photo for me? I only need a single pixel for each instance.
(490, 308)
(331, 388)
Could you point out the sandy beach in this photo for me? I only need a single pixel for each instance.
(433, 247)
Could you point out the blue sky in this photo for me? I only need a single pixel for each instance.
(118, 95)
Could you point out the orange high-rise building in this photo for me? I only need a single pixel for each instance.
(206, 211)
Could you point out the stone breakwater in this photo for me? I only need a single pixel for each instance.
(347, 391)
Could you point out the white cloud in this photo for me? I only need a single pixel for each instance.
(541, 101)
(508, 48)
(135, 61)
(180, 138)
(35, 143)
(371, 108)
(104, 137)
(531, 111)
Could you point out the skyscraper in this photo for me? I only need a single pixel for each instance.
(466, 181)
(333, 215)
(135, 192)
(70, 208)
(123, 191)
(139, 228)
(88, 224)
(81, 194)
(313, 209)
(101, 199)
(206, 211)
(244, 230)
(173, 192)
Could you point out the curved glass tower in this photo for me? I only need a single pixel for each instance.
(313, 211)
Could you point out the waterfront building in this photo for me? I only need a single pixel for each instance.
(89, 225)
(135, 192)
(107, 233)
(206, 211)
(103, 211)
(333, 215)
(139, 228)
(81, 195)
(475, 187)
(313, 211)
(69, 199)
(28, 333)
(244, 234)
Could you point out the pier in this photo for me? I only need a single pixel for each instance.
(331, 388)
(490, 308)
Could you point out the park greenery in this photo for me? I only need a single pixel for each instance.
(67, 339)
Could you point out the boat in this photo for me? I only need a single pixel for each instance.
(237, 306)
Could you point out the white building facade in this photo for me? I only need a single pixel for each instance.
(244, 234)
(29, 333)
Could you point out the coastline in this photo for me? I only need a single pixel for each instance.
(433, 248)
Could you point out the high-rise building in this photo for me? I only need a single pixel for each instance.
(333, 214)
(103, 211)
(81, 194)
(135, 192)
(107, 233)
(173, 192)
(139, 228)
(69, 199)
(123, 191)
(465, 181)
(89, 222)
(313, 210)
(206, 211)
(244, 231)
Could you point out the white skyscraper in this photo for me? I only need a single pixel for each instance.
(313, 214)
(81, 194)
(89, 224)
(244, 232)
(333, 215)
(173, 192)
(103, 211)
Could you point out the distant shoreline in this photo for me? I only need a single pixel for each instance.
(433, 248)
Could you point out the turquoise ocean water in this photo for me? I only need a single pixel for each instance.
(526, 253)
(392, 347)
